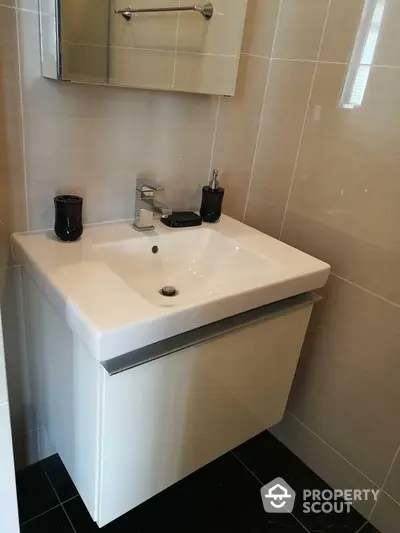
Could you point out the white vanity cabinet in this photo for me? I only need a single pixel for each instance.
(8, 496)
(136, 391)
(127, 433)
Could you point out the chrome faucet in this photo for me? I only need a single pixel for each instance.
(146, 204)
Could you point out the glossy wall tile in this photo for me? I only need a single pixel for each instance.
(386, 515)
(323, 459)
(346, 191)
(236, 133)
(300, 28)
(285, 105)
(392, 485)
(347, 379)
(368, 32)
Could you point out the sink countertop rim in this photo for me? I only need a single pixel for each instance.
(107, 337)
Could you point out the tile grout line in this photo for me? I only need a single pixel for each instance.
(68, 518)
(382, 491)
(61, 504)
(362, 527)
(247, 468)
(22, 118)
(321, 62)
(262, 484)
(305, 119)
(216, 122)
(69, 499)
(35, 11)
(253, 163)
(155, 50)
(333, 449)
(40, 514)
(365, 289)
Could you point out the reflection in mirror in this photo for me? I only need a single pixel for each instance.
(84, 34)
(118, 42)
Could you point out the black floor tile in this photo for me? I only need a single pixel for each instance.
(59, 477)
(268, 459)
(35, 495)
(369, 528)
(54, 521)
(221, 497)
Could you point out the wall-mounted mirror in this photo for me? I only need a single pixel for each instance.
(172, 45)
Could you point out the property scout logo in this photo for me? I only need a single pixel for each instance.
(278, 497)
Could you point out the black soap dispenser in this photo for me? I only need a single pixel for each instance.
(211, 204)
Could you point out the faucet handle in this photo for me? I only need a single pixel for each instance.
(148, 183)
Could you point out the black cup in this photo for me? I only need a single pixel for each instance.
(68, 220)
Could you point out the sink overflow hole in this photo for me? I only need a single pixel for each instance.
(154, 249)
(168, 291)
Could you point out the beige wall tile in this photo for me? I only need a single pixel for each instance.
(392, 485)
(94, 141)
(344, 203)
(207, 74)
(220, 35)
(141, 68)
(342, 26)
(386, 516)
(237, 132)
(346, 385)
(260, 26)
(284, 112)
(300, 29)
(354, 27)
(12, 186)
(322, 459)
(153, 31)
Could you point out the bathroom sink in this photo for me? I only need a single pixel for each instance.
(198, 265)
(107, 285)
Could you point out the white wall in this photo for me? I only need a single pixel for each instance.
(8, 495)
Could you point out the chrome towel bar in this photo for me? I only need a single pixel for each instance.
(207, 10)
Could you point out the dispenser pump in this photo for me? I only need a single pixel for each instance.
(214, 184)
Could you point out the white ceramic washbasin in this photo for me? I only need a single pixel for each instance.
(107, 284)
(201, 264)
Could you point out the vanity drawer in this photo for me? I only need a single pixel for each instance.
(167, 418)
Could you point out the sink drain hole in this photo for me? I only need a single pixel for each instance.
(168, 291)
